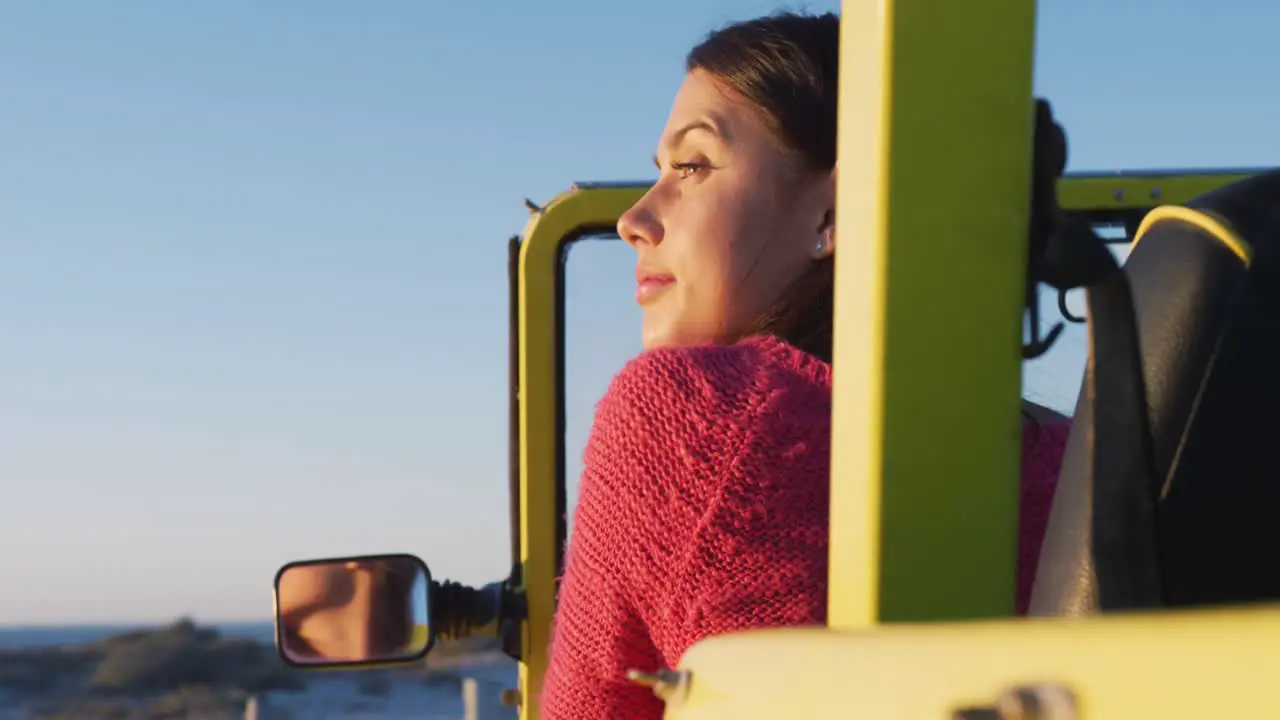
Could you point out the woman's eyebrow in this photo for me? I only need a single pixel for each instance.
(704, 124)
(708, 124)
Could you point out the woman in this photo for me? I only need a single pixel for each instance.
(703, 506)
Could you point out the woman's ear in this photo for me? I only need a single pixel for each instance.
(825, 244)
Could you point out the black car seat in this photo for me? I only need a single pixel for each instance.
(1205, 286)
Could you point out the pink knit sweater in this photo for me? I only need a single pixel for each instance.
(702, 510)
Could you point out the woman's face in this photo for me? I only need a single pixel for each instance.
(733, 220)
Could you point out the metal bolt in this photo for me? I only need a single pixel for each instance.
(667, 684)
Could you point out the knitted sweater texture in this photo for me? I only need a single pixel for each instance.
(703, 509)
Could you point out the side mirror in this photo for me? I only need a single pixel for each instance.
(353, 611)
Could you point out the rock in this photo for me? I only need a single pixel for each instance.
(181, 655)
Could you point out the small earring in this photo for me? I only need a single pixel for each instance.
(820, 247)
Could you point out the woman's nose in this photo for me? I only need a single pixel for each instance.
(639, 225)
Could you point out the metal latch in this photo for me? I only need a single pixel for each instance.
(1045, 701)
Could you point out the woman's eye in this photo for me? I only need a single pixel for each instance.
(686, 169)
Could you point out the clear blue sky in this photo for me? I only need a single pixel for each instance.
(252, 259)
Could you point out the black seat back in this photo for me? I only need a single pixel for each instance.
(1205, 280)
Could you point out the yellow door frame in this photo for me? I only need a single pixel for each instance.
(540, 325)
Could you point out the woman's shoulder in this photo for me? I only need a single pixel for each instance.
(715, 377)
(692, 408)
(694, 439)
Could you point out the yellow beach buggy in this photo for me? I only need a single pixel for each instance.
(1162, 555)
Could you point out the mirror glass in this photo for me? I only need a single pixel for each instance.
(345, 611)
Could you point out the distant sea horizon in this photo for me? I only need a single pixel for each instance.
(14, 637)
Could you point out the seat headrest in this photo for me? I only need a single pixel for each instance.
(1205, 280)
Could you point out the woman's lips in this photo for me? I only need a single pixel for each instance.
(649, 287)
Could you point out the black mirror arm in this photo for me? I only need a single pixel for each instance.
(495, 610)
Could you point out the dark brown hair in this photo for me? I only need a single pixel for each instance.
(786, 66)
